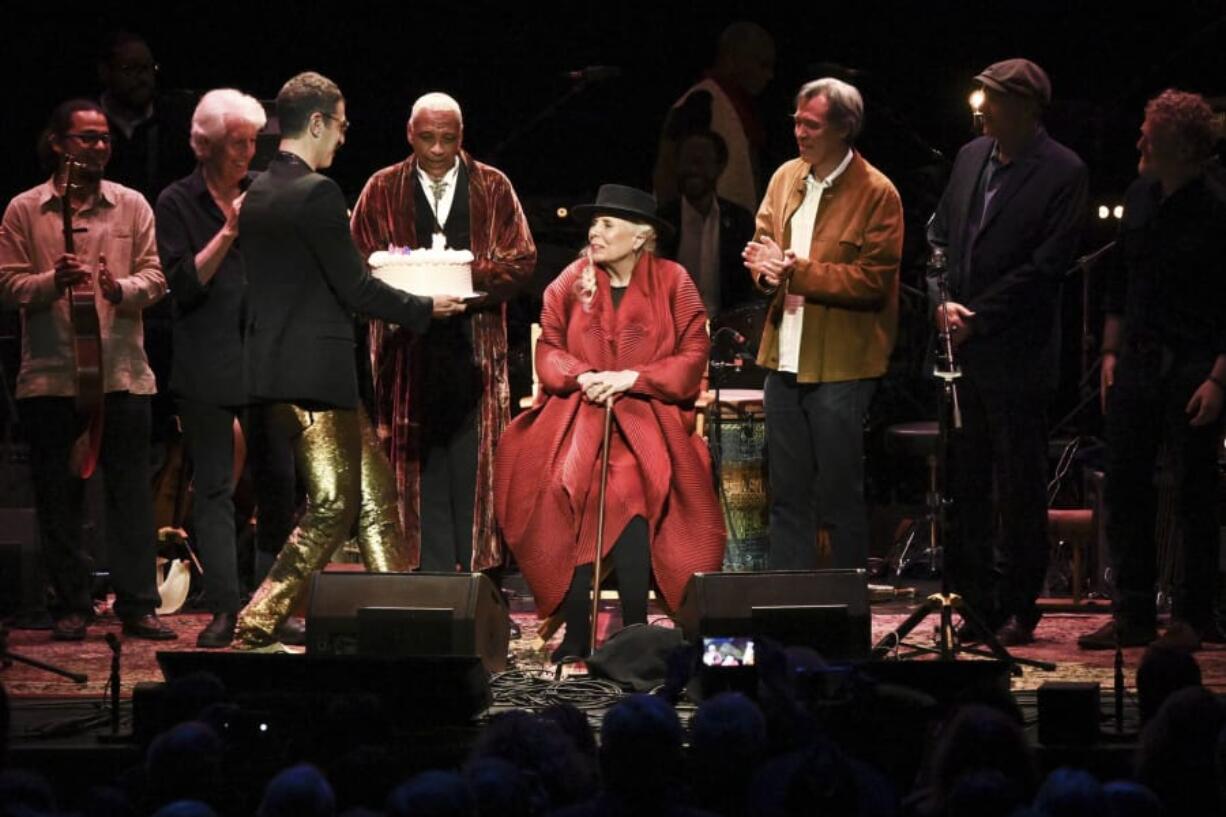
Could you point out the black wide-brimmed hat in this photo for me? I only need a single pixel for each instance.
(625, 202)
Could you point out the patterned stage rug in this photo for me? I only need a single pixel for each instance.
(1056, 641)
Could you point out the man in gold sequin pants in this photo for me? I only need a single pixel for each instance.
(305, 281)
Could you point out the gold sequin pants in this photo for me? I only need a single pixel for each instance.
(348, 481)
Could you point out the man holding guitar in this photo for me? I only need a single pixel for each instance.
(77, 255)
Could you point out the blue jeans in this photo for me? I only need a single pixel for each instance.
(815, 455)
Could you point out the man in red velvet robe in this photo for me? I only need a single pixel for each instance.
(442, 399)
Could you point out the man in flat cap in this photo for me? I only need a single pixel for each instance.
(1009, 222)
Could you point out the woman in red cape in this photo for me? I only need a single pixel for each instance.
(624, 326)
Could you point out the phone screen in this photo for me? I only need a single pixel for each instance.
(730, 651)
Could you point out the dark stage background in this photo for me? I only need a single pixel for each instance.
(506, 62)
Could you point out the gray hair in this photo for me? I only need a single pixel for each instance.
(436, 101)
(214, 109)
(846, 104)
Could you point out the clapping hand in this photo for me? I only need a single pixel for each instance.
(770, 264)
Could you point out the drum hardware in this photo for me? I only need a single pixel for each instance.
(739, 473)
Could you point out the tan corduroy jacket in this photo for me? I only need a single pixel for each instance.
(849, 280)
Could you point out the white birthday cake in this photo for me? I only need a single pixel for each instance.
(434, 271)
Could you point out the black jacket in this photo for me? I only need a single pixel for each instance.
(1012, 274)
(736, 228)
(305, 280)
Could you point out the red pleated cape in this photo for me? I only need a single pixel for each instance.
(547, 467)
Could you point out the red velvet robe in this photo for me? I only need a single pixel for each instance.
(504, 256)
(547, 469)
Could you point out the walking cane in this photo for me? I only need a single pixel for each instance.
(604, 482)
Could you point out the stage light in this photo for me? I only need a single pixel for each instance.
(1118, 211)
(562, 213)
(976, 100)
(1104, 212)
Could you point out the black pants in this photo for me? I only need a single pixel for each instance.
(631, 556)
(448, 489)
(208, 431)
(1146, 408)
(997, 478)
(51, 424)
(815, 452)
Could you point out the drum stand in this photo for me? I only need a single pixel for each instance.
(946, 602)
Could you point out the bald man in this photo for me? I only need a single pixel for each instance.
(723, 102)
(442, 398)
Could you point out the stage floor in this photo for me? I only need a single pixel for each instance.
(1056, 641)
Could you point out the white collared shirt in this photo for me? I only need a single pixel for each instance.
(443, 209)
(698, 251)
(802, 223)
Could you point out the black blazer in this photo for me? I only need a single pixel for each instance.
(1011, 279)
(305, 280)
(735, 230)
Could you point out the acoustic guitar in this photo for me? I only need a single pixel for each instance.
(86, 341)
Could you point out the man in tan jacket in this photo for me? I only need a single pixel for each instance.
(827, 244)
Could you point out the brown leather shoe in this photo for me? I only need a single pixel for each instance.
(71, 627)
(148, 626)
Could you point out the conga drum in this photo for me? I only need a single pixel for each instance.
(738, 438)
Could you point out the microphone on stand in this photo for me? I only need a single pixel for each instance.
(593, 73)
(116, 651)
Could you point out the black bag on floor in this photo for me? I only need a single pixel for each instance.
(636, 657)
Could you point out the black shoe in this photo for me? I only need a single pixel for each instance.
(1115, 632)
(1015, 632)
(567, 652)
(292, 632)
(69, 628)
(219, 632)
(148, 626)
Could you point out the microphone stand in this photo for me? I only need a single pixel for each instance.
(946, 602)
(578, 87)
(1089, 362)
(116, 651)
(7, 659)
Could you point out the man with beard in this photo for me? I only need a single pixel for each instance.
(116, 257)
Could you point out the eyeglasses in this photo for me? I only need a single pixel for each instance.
(91, 137)
(342, 123)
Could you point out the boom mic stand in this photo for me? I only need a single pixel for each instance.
(8, 658)
(946, 602)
